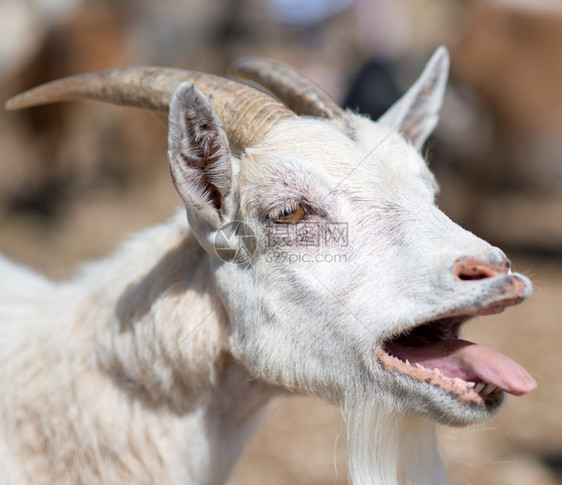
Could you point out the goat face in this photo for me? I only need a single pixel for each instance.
(357, 282)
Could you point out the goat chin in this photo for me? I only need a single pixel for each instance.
(387, 447)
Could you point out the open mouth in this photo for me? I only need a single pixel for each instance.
(433, 353)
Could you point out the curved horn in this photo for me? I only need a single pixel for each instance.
(297, 91)
(247, 114)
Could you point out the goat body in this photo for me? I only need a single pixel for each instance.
(67, 355)
(152, 365)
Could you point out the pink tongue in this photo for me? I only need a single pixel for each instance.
(469, 361)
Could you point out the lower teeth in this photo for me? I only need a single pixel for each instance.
(483, 387)
(489, 389)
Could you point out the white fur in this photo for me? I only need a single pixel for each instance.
(152, 365)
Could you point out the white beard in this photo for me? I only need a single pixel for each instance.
(390, 447)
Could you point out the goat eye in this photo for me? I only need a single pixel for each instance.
(291, 215)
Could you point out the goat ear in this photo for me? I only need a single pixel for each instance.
(416, 113)
(199, 158)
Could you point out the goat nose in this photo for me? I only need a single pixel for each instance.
(470, 268)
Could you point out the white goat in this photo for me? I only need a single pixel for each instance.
(152, 365)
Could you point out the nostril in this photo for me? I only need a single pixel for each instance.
(474, 275)
(469, 269)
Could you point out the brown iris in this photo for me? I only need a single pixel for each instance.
(291, 216)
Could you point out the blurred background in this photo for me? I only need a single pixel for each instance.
(77, 178)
